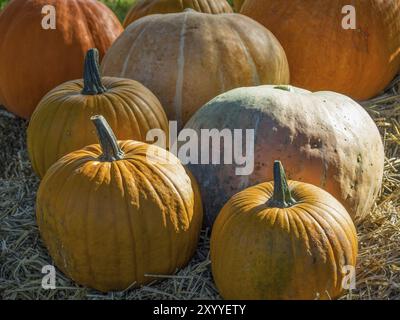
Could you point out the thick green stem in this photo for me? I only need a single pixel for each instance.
(107, 140)
(282, 197)
(91, 74)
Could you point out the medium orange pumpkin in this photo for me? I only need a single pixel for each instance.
(283, 241)
(322, 54)
(114, 213)
(188, 58)
(34, 60)
(324, 138)
(147, 7)
(61, 122)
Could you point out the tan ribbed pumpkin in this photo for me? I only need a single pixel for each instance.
(143, 8)
(188, 58)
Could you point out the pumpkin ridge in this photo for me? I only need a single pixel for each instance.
(129, 53)
(169, 182)
(338, 221)
(326, 234)
(54, 125)
(247, 53)
(169, 218)
(314, 247)
(129, 217)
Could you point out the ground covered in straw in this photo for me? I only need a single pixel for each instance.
(22, 254)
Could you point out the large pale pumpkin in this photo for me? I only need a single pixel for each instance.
(34, 60)
(143, 8)
(188, 58)
(322, 54)
(61, 122)
(324, 138)
(283, 241)
(113, 213)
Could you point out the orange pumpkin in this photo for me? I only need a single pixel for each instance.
(282, 241)
(322, 54)
(113, 214)
(188, 58)
(147, 7)
(324, 138)
(61, 122)
(34, 60)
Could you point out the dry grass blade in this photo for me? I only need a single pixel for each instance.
(22, 254)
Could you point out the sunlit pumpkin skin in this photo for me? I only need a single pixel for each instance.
(61, 122)
(146, 7)
(237, 4)
(263, 248)
(324, 138)
(113, 214)
(324, 56)
(188, 58)
(34, 60)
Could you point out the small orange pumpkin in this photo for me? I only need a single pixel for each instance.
(114, 213)
(282, 240)
(60, 123)
(147, 7)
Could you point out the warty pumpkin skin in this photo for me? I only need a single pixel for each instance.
(324, 138)
(282, 241)
(146, 7)
(34, 60)
(111, 214)
(61, 122)
(188, 58)
(323, 55)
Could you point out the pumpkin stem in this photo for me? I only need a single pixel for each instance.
(282, 197)
(107, 140)
(91, 74)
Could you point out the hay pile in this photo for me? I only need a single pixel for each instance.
(22, 254)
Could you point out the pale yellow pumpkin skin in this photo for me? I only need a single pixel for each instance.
(144, 8)
(186, 59)
(107, 224)
(298, 253)
(61, 122)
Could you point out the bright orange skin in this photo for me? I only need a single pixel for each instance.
(33, 60)
(264, 253)
(147, 7)
(186, 59)
(108, 224)
(322, 55)
(61, 122)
